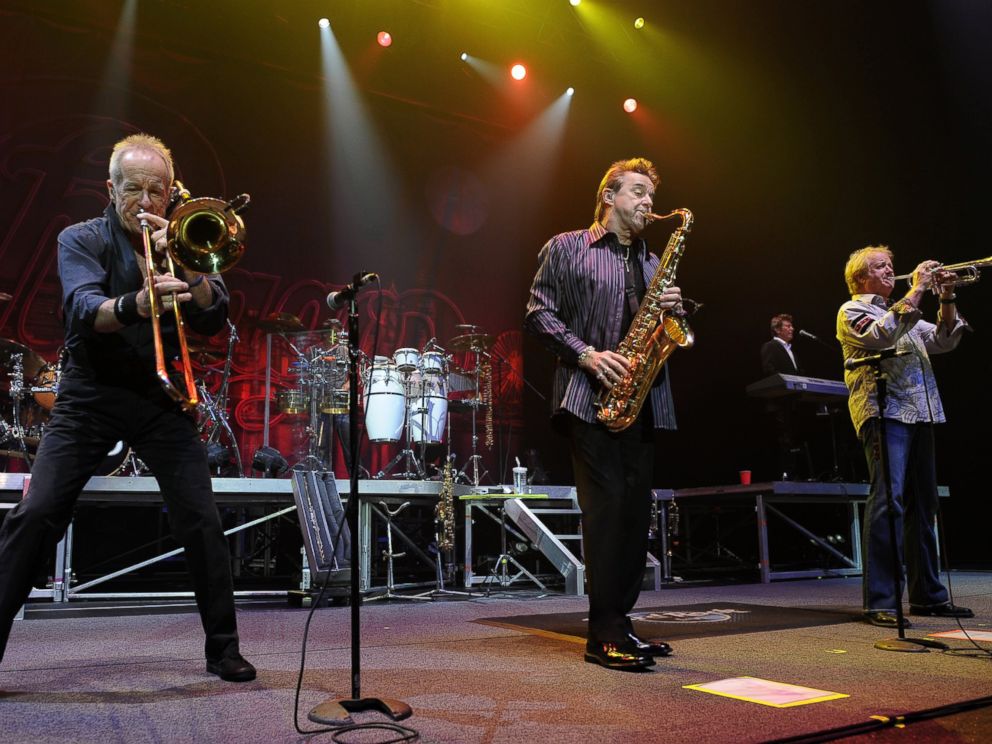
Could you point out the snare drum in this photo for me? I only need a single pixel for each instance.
(385, 403)
(433, 363)
(429, 410)
(291, 402)
(406, 360)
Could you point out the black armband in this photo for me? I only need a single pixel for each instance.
(126, 309)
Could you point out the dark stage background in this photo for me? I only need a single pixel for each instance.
(795, 131)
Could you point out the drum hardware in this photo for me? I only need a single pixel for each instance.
(389, 555)
(16, 391)
(478, 344)
(213, 409)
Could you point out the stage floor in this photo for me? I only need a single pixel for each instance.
(140, 677)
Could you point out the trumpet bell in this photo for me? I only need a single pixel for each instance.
(206, 235)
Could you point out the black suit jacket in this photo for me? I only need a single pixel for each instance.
(775, 359)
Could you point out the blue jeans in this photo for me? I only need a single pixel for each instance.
(914, 492)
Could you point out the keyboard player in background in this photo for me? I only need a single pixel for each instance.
(867, 324)
(778, 357)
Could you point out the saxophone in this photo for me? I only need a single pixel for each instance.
(653, 335)
(444, 512)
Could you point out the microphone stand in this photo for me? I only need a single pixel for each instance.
(901, 643)
(335, 712)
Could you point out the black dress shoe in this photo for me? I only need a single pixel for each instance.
(617, 656)
(944, 610)
(232, 669)
(650, 648)
(886, 619)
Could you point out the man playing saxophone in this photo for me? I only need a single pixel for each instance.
(109, 392)
(583, 298)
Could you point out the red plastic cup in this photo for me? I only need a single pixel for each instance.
(745, 477)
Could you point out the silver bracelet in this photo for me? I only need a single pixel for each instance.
(584, 353)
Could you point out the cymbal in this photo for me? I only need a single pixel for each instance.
(471, 342)
(281, 323)
(33, 363)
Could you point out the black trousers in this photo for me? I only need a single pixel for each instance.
(613, 474)
(87, 419)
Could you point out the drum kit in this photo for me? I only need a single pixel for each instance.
(406, 398)
(33, 384)
(33, 387)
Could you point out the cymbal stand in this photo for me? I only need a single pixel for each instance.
(475, 460)
(414, 470)
(16, 391)
(389, 555)
(314, 459)
(215, 407)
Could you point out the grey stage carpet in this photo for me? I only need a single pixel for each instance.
(141, 678)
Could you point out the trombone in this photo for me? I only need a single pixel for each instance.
(204, 235)
(969, 272)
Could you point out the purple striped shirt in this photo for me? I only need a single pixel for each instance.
(577, 300)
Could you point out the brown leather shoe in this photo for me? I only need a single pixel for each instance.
(617, 656)
(885, 619)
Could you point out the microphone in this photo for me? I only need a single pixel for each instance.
(855, 362)
(340, 298)
(808, 335)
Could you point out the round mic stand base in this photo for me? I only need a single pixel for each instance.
(337, 712)
(909, 645)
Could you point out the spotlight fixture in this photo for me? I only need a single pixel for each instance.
(323, 23)
(630, 105)
(570, 91)
(463, 56)
(384, 38)
(518, 72)
(639, 23)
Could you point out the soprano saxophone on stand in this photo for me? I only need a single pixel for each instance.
(653, 335)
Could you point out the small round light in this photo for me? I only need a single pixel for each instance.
(570, 91)
(639, 23)
(518, 72)
(574, 2)
(630, 105)
(384, 39)
(463, 56)
(323, 23)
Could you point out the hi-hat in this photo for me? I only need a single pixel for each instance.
(281, 323)
(472, 342)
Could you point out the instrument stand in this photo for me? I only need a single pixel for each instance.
(335, 712)
(901, 643)
(413, 469)
(16, 389)
(500, 572)
(475, 461)
(389, 555)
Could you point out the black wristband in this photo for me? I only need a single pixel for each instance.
(126, 309)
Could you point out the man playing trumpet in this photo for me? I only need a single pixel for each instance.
(109, 392)
(867, 324)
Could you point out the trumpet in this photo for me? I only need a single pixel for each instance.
(968, 272)
(205, 235)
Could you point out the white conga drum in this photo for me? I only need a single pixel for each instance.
(385, 402)
(429, 410)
